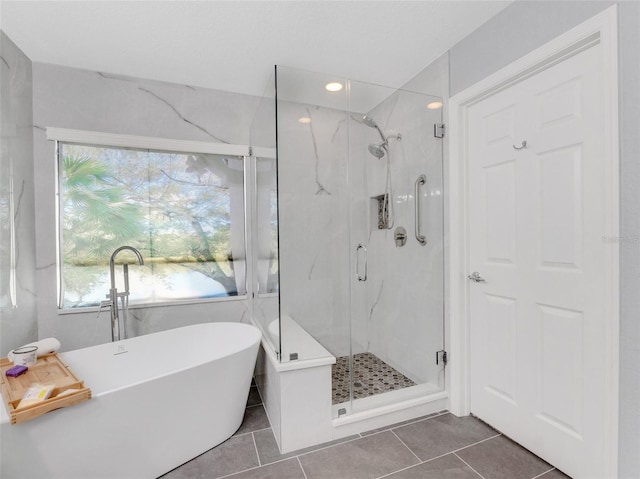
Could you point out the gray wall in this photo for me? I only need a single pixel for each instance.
(629, 84)
(17, 233)
(519, 29)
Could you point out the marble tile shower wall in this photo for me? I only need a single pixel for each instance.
(97, 101)
(17, 229)
(406, 285)
(314, 234)
(327, 179)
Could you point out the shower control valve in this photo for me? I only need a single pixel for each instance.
(400, 236)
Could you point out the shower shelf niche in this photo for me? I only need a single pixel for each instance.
(381, 211)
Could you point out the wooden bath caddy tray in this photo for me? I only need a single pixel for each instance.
(48, 370)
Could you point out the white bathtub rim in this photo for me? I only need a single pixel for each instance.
(65, 356)
(6, 418)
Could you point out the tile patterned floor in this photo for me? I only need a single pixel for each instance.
(438, 446)
(371, 376)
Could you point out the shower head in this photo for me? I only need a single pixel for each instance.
(370, 122)
(378, 150)
(365, 120)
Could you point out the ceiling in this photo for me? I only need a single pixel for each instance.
(233, 45)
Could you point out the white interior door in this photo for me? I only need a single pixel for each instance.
(536, 222)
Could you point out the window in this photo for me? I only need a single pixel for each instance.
(267, 225)
(184, 211)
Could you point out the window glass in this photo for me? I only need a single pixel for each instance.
(267, 221)
(183, 211)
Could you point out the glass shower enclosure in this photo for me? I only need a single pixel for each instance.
(360, 235)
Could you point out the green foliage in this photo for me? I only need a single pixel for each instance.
(96, 217)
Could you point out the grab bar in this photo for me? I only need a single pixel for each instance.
(422, 239)
(358, 248)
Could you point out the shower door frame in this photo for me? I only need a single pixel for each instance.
(412, 397)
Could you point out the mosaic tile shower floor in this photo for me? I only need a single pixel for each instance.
(371, 375)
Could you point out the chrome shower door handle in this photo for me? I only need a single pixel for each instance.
(358, 275)
(422, 179)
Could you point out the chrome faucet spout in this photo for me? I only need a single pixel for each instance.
(112, 261)
(114, 295)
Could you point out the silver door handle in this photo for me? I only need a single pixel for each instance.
(475, 276)
(358, 248)
(422, 239)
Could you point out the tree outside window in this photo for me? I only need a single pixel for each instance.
(183, 211)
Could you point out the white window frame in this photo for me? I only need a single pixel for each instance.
(94, 138)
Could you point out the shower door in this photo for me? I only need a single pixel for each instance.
(395, 191)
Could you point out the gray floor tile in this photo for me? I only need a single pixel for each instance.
(365, 458)
(501, 458)
(555, 474)
(289, 469)
(235, 454)
(447, 467)
(254, 397)
(398, 424)
(442, 434)
(268, 447)
(255, 418)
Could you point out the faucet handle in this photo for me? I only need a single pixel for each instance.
(103, 304)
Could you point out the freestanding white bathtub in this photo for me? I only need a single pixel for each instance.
(157, 401)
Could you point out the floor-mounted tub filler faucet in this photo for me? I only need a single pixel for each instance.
(113, 295)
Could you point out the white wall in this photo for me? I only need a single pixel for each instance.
(86, 100)
(17, 233)
(519, 29)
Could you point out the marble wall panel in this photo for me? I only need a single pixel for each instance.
(314, 260)
(328, 182)
(98, 101)
(18, 323)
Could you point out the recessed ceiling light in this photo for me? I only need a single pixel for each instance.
(304, 119)
(434, 105)
(333, 86)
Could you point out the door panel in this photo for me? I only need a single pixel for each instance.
(500, 346)
(560, 202)
(561, 332)
(501, 203)
(536, 222)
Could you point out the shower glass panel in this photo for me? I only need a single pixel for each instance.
(312, 144)
(262, 198)
(361, 233)
(397, 250)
